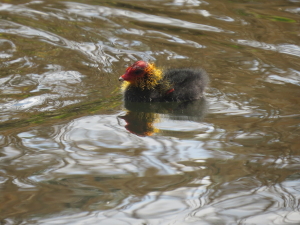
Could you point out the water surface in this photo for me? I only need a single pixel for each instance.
(73, 153)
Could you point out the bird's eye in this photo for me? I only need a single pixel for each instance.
(138, 72)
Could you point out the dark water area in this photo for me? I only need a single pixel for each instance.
(73, 153)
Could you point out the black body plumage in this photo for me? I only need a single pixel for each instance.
(176, 85)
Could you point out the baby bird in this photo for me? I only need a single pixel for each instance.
(143, 82)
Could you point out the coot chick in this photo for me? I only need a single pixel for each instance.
(146, 83)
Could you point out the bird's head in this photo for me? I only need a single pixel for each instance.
(141, 74)
(134, 72)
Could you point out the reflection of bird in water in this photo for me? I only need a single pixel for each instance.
(146, 83)
(141, 117)
(141, 123)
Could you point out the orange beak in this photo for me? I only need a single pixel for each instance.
(125, 76)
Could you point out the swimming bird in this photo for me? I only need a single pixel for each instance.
(144, 82)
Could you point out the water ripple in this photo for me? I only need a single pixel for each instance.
(282, 48)
(233, 162)
(81, 9)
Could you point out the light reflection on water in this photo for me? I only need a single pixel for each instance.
(72, 153)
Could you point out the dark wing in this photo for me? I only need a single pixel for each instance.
(188, 83)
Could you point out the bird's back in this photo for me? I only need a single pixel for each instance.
(188, 83)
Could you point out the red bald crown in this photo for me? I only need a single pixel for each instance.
(140, 64)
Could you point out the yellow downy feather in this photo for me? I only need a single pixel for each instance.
(155, 75)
